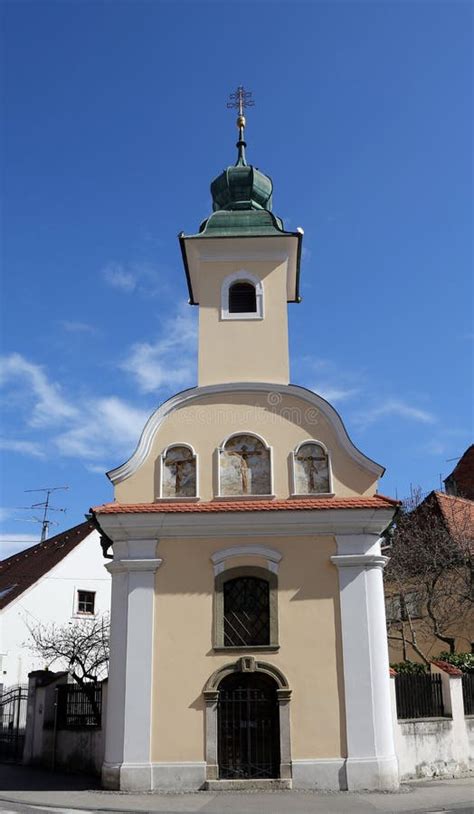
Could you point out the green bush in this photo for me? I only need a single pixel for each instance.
(409, 667)
(465, 661)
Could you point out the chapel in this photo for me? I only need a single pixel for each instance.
(248, 640)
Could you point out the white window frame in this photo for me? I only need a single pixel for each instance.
(178, 498)
(242, 276)
(293, 454)
(221, 449)
(85, 614)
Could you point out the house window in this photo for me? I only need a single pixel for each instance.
(86, 602)
(311, 469)
(242, 299)
(246, 612)
(244, 467)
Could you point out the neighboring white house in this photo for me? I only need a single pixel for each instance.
(59, 580)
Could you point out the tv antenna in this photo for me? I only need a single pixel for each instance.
(46, 506)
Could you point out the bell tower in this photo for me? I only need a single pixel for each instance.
(242, 268)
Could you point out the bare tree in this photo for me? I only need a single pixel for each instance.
(429, 578)
(81, 647)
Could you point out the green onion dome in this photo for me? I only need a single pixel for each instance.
(241, 186)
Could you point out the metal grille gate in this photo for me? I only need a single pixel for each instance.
(13, 705)
(248, 726)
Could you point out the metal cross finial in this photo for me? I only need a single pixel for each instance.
(241, 99)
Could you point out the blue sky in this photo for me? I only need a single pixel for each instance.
(116, 123)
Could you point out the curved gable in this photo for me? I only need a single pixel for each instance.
(287, 412)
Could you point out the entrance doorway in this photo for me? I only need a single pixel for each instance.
(248, 727)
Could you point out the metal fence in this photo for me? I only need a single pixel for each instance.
(468, 693)
(419, 696)
(13, 703)
(79, 708)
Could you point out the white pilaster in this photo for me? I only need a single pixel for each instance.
(127, 762)
(371, 761)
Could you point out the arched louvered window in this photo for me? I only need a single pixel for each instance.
(242, 298)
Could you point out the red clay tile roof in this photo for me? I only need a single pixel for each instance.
(23, 569)
(462, 476)
(249, 505)
(447, 667)
(457, 513)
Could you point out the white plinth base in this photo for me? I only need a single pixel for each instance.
(154, 776)
(372, 774)
(327, 774)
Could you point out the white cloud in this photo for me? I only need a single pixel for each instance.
(96, 469)
(393, 407)
(170, 360)
(106, 427)
(24, 447)
(96, 429)
(6, 512)
(91, 428)
(328, 380)
(333, 393)
(117, 276)
(49, 404)
(77, 327)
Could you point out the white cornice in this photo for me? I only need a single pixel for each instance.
(187, 396)
(117, 566)
(358, 560)
(283, 523)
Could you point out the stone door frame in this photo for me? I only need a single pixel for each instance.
(247, 664)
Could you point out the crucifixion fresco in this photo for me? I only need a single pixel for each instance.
(179, 473)
(311, 470)
(245, 467)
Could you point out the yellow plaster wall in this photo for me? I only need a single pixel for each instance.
(251, 350)
(282, 421)
(309, 655)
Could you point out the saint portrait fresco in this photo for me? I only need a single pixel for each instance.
(311, 470)
(179, 473)
(245, 467)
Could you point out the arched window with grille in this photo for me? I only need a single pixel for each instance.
(246, 612)
(242, 296)
(246, 608)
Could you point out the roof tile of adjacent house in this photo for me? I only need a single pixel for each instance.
(249, 505)
(461, 479)
(23, 569)
(457, 513)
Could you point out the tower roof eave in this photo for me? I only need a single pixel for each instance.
(192, 250)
